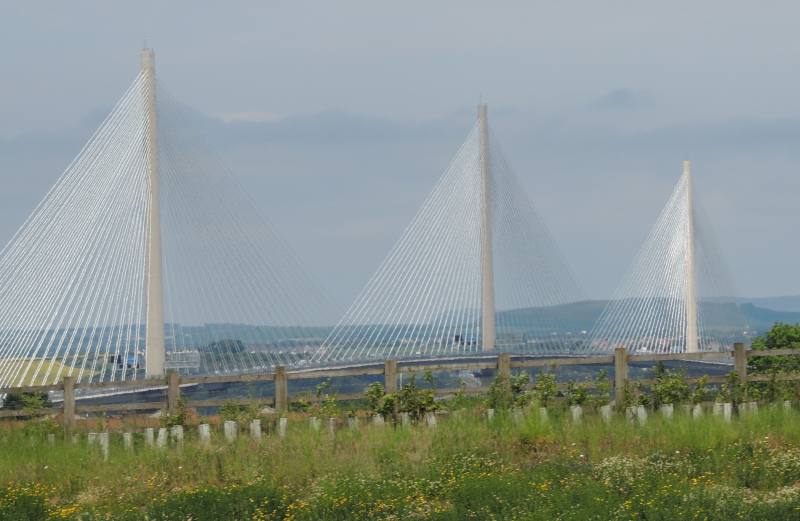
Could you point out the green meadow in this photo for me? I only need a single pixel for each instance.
(465, 467)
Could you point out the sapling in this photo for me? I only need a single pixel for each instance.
(602, 385)
(577, 393)
(602, 397)
(545, 387)
(700, 393)
(670, 387)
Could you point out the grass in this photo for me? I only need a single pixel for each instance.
(465, 468)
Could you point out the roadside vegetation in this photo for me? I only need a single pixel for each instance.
(514, 463)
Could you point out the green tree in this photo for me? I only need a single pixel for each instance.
(30, 402)
(780, 336)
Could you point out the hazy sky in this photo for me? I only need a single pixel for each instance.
(340, 116)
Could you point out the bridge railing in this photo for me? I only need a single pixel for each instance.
(503, 364)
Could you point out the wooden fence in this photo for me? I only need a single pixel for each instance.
(503, 364)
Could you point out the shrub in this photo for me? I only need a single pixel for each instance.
(326, 401)
(670, 386)
(603, 388)
(180, 416)
(633, 395)
(460, 398)
(545, 387)
(374, 394)
(753, 391)
(300, 405)
(700, 393)
(30, 403)
(38, 427)
(577, 393)
(411, 398)
(772, 390)
(231, 411)
(732, 390)
(519, 389)
(499, 395)
(508, 392)
(415, 400)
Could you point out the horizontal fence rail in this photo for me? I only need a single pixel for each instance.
(502, 364)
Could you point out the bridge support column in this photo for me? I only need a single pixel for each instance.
(487, 260)
(154, 346)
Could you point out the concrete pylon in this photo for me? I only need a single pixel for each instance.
(692, 340)
(154, 346)
(487, 260)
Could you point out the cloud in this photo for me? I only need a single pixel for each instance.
(336, 127)
(622, 99)
(251, 117)
(732, 134)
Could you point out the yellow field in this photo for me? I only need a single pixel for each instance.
(25, 372)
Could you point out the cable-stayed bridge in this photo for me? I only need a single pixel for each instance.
(476, 246)
(677, 296)
(146, 256)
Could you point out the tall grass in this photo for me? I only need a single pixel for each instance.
(465, 468)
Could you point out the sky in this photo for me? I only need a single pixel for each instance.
(339, 117)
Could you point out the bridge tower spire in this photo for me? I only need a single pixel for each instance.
(154, 344)
(692, 343)
(487, 260)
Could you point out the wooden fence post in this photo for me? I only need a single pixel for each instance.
(504, 365)
(281, 389)
(173, 391)
(390, 376)
(69, 402)
(504, 371)
(740, 361)
(620, 376)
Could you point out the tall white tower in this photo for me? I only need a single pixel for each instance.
(692, 343)
(154, 346)
(487, 261)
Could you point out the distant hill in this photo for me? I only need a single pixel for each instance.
(573, 317)
(784, 303)
(581, 316)
(763, 318)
